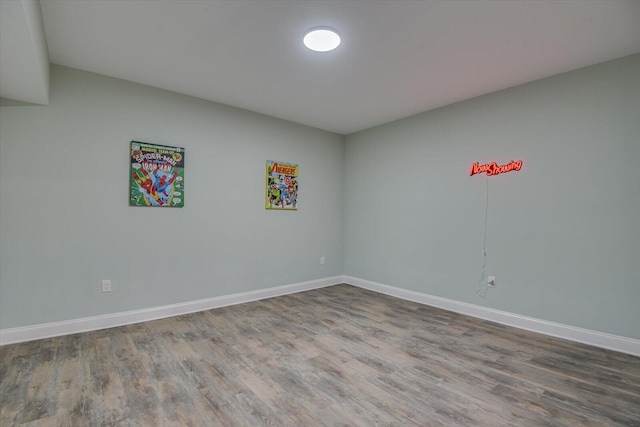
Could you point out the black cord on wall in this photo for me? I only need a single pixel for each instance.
(483, 285)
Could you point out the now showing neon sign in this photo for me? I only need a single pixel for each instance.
(494, 169)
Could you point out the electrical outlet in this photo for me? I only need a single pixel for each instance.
(106, 286)
(321, 260)
(491, 281)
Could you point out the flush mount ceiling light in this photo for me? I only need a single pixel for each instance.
(321, 39)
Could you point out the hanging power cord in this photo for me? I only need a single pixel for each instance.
(483, 285)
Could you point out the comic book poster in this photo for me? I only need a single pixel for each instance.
(282, 186)
(157, 175)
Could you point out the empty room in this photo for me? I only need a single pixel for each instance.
(319, 213)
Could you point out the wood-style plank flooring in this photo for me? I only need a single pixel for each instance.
(333, 356)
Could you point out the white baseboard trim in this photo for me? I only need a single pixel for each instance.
(585, 336)
(67, 327)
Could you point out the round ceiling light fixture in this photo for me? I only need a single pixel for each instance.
(321, 39)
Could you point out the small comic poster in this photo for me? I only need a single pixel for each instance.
(157, 175)
(282, 186)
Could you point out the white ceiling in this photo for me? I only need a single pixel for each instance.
(24, 61)
(397, 58)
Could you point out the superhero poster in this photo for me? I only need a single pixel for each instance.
(282, 186)
(157, 175)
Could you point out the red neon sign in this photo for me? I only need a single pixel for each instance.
(494, 169)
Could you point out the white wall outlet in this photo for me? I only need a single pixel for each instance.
(106, 286)
(321, 260)
(491, 281)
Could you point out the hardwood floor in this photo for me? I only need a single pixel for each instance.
(333, 356)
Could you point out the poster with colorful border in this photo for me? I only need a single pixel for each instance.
(282, 186)
(157, 175)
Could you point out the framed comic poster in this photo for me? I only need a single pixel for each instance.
(282, 186)
(157, 175)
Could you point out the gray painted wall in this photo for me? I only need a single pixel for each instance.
(65, 222)
(563, 234)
